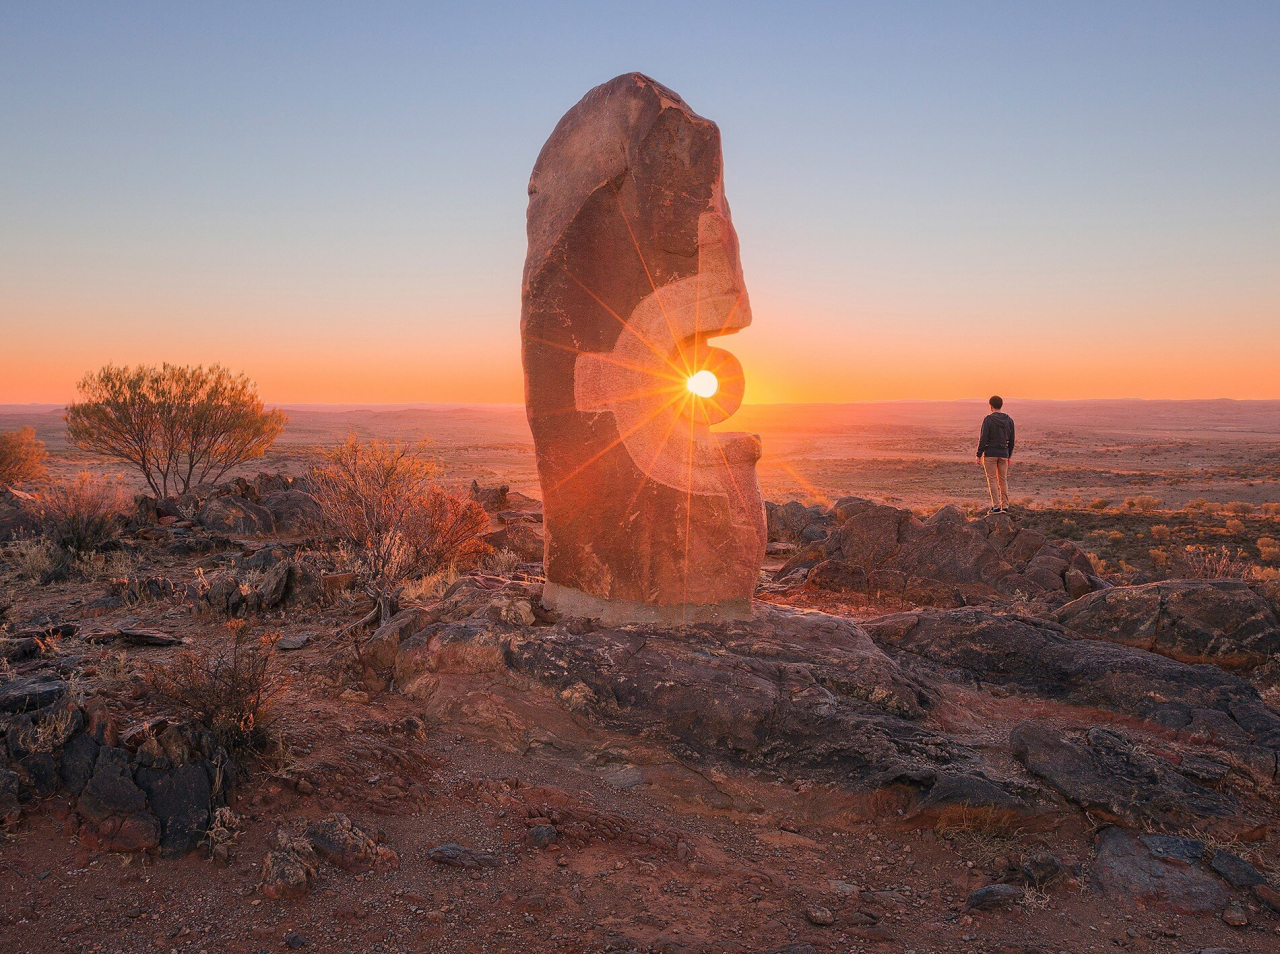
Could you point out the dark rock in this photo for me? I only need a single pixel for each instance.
(20, 650)
(76, 766)
(38, 773)
(1174, 848)
(993, 896)
(837, 576)
(950, 791)
(459, 856)
(788, 522)
(1202, 703)
(947, 560)
(291, 584)
(235, 515)
(293, 511)
(1108, 777)
(289, 643)
(114, 808)
(227, 596)
(1224, 622)
(540, 836)
(340, 842)
(181, 801)
(294, 941)
(1235, 870)
(1268, 896)
(1127, 872)
(1042, 869)
(286, 875)
(34, 691)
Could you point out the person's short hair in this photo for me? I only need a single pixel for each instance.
(996, 401)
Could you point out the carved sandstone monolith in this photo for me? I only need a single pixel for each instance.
(632, 267)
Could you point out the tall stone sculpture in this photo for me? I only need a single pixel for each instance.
(632, 267)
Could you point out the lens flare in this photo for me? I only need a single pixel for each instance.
(703, 384)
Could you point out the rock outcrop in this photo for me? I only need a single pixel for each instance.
(1224, 622)
(945, 561)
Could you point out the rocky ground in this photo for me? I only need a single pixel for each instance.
(940, 734)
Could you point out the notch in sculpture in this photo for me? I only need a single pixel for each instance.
(632, 267)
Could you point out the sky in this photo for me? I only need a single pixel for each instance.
(1056, 200)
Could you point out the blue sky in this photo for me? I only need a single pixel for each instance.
(934, 199)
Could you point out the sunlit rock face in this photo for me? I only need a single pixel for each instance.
(632, 267)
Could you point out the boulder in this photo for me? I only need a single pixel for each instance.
(30, 692)
(347, 846)
(293, 511)
(114, 809)
(946, 560)
(235, 515)
(791, 522)
(291, 584)
(1127, 871)
(181, 800)
(1224, 622)
(1108, 776)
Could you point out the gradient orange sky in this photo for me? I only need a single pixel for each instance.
(1074, 202)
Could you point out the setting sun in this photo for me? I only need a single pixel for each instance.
(703, 384)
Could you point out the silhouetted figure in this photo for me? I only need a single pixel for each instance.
(995, 447)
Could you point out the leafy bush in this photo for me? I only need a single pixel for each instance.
(229, 690)
(84, 515)
(380, 502)
(180, 426)
(1269, 549)
(1144, 502)
(22, 457)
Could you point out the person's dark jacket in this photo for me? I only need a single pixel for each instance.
(997, 435)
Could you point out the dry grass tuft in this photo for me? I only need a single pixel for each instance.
(230, 691)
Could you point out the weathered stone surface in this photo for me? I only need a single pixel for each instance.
(114, 808)
(632, 266)
(34, 691)
(286, 875)
(291, 584)
(945, 560)
(236, 515)
(1202, 704)
(1108, 776)
(788, 688)
(790, 522)
(180, 799)
(1224, 622)
(1235, 870)
(346, 845)
(1127, 871)
(292, 510)
(460, 856)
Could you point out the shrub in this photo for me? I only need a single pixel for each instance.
(1143, 502)
(180, 426)
(33, 558)
(1099, 503)
(1235, 526)
(381, 503)
(22, 457)
(502, 561)
(82, 516)
(229, 691)
(1161, 532)
(1238, 507)
(1269, 549)
(1216, 563)
(1158, 558)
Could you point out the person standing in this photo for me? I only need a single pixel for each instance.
(995, 447)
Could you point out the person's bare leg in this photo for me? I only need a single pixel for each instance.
(1002, 476)
(990, 468)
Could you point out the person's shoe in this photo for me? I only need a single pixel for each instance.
(993, 511)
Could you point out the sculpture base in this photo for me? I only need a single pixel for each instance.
(567, 601)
